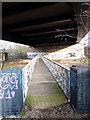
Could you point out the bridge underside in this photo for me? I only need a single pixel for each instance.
(39, 24)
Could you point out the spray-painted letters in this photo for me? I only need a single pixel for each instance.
(8, 84)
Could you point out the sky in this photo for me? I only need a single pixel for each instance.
(9, 45)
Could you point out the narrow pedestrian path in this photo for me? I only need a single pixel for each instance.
(44, 91)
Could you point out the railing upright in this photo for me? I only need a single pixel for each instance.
(60, 73)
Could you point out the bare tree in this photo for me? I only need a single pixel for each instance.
(85, 16)
(3, 49)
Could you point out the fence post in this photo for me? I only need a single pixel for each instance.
(11, 94)
(80, 88)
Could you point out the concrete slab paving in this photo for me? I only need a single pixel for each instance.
(44, 88)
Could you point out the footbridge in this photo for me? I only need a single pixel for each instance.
(46, 27)
(43, 83)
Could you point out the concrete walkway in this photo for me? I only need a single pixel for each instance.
(44, 90)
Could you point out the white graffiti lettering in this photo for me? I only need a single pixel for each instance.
(13, 93)
(9, 81)
(1, 94)
(8, 85)
(8, 96)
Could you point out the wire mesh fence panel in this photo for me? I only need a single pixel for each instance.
(26, 76)
(60, 73)
(14, 85)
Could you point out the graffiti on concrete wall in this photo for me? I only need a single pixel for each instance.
(8, 85)
(11, 92)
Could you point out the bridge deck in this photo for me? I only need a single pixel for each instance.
(44, 91)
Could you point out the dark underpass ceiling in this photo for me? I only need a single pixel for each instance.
(39, 24)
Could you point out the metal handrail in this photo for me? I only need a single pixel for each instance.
(60, 73)
(27, 72)
(59, 64)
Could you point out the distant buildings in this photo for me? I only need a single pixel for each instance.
(31, 55)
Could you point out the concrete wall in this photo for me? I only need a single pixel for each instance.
(47, 49)
(83, 22)
(76, 51)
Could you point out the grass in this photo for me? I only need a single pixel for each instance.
(24, 112)
(13, 66)
(84, 60)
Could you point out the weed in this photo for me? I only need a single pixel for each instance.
(24, 112)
